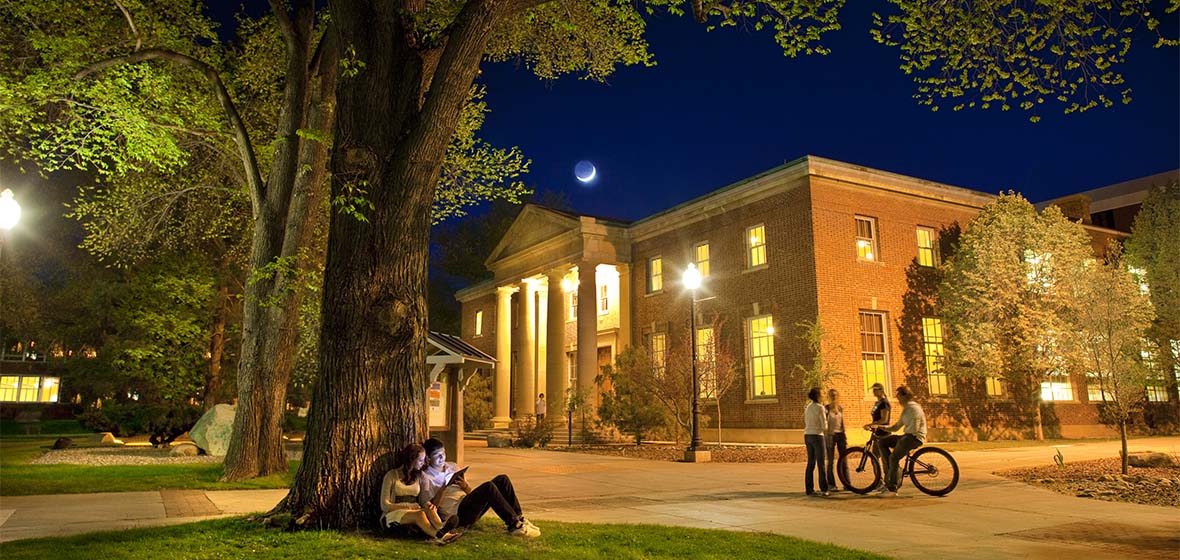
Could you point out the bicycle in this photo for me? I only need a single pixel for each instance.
(932, 470)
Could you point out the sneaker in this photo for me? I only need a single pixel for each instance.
(526, 530)
(881, 490)
(827, 493)
(447, 538)
(530, 524)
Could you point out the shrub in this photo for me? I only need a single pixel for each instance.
(162, 422)
(528, 432)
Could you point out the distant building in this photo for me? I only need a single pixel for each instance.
(814, 238)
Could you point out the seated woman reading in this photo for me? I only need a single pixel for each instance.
(399, 496)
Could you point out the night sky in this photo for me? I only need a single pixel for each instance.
(724, 105)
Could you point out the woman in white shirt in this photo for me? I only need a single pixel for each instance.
(815, 423)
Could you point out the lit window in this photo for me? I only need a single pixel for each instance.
(866, 239)
(603, 300)
(572, 360)
(874, 365)
(707, 362)
(657, 345)
(479, 323)
(995, 386)
(927, 249)
(8, 384)
(756, 246)
(932, 345)
(29, 387)
(572, 304)
(49, 389)
(702, 258)
(1095, 390)
(655, 275)
(1057, 388)
(1157, 385)
(1040, 269)
(760, 337)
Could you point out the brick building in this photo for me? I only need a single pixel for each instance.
(815, 238)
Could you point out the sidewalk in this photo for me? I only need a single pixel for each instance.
(985, 517)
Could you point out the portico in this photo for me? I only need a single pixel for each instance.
(560, 288)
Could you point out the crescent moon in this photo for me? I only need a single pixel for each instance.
(593, 172)
(585, 171)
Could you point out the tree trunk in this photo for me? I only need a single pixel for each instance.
(216, 349)
(718, 421)
(1040, 427)
(395, 118)
(1123, 437)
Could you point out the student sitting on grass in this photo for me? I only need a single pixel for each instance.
(399, 497)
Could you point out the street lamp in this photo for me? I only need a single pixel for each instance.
(692, 281)
(9, 216)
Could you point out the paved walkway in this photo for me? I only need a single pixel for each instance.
(985, 517)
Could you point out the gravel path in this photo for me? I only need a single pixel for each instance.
(107, 456)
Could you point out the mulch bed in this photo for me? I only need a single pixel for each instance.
(1102, 480)
(722, 454)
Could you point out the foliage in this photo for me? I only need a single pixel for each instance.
(1059, 460)
(1152, 250)
(528, 432)
(1006, 294)
(163, 422)
(1109, 337)
(820, 373)
(626, 401)
(477, 403)
(1005, 54)
(485, 540)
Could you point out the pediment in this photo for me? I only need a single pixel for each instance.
(534, 225)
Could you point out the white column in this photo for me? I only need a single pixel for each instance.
(503, 385)
(624, 307)
(542, 364)
(588, 331)
(555, 371)
(526, 353)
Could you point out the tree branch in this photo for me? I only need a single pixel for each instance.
(241, 135)
(134, 31)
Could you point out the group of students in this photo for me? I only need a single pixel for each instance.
(826, 441)
(425, 494)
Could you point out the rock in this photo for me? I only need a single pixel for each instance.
(63, 443)
(212, 431)
(1150, 459)
(1085, 495)
(105, 439)
(185, 450)
(499, 440)
(1108, 478)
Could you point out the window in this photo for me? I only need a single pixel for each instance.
(1057, 388)
(8, 388)
(995, 386)
(927, 248)
(572, 360)
(572, 304)
(49, 389)
(655, 275)
(760, 341)
(866, 239)
(932, 346)
(756, 246)
(657, 347)
(603, 300)
(479, 323)
(701, 256)
(706, 362)
(29, 387)
(874, 365)
(1095, 391)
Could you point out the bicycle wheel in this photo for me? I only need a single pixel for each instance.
(859, 470)
(933, 471)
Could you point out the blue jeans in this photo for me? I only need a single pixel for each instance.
(893, 449)
(815, 456)
(836, 447)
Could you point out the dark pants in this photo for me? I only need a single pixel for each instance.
(497, 494)
(892, 450)
(815, 457)
(837, 444)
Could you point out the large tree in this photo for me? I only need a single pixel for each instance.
(1152, 249)
(1007, 295)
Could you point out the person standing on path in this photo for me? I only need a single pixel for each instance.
(882, 415)
(540, 408)
(913, 418)
(834, 438)
(815, 423)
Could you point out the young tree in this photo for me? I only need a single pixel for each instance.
(1111, 322)
(628, 404)
(1152, 249)
(820, 373)
(1006, 293)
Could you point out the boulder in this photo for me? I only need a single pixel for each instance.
(499, 440)
(105, 439)
(184, 450)
(63, 443)
(212, 431)
(1150, 459)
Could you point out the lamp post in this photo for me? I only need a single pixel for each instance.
(692, 281)
(9, 216)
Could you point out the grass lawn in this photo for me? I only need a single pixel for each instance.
(18, 478)
(237, 538)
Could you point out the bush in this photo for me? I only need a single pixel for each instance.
(162, 422)
(527, 432)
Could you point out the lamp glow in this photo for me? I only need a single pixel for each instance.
(692, 277)
(9, 210)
